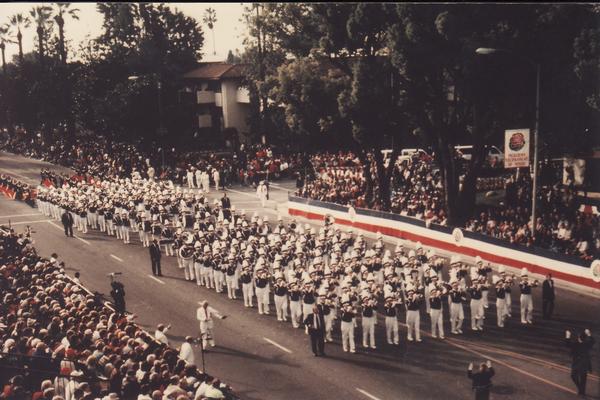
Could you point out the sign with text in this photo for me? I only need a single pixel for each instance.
(516, 148)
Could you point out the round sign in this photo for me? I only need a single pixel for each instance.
(516, 141)
(457, 235)
(351, 213)
(595, 270)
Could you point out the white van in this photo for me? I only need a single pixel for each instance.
(493, 153)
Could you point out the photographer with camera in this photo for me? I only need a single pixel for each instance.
(117, 292)
(482, 380)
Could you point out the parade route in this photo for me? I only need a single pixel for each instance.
(265, 359)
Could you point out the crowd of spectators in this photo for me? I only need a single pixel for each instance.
(59, 341)
(16, 189)
(560, 226)
(417, 191)
(97, 156)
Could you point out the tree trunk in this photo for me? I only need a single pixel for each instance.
(61, 42)
(384, 176)
(20, 40)
(40, 33)
(362, 155)
(3, 47)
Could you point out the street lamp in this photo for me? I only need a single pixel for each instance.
(161, 127)
(489, 51)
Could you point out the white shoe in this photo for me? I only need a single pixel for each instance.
(419, 340)
(410, 339)
(442, 337)
(434, 336)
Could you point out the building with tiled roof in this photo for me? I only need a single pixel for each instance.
(222, 99)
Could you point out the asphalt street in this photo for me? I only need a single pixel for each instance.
(265, 359)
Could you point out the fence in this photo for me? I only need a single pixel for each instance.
(497, 251)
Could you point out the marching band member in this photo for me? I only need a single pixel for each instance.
(476, 304)
(500, 300)
(437, 312)
(280, 292)
(198, 260)
(262, 290)
(457, 313)
(369, 318)
(347, 317)
(526, 301)
(413, 317)
(247, 288)
(186, 252)
(295, 303)
(391, 320)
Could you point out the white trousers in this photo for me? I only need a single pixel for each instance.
(198, 272)
(296, 312)
(348, 336)
(231, 282)
(477, 313)
(188, 268)
(391, 330)
(508, 304)
(437, 322)
(526, 308)
(500, 312)
(413, 321)
(457, 315)
(206, 330)
(368, 331)
(247, 293)
(281, 304)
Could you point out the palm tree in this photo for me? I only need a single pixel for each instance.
(210, 19)
(19, 21)
(61, 10)
(41, 17)
(4, 38)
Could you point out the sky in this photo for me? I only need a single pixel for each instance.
(229, 31)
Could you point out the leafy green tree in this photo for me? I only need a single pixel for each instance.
(307, 90)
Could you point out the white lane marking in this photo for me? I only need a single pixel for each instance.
(156, 279)
(28, 222)
(18, 215)
(507, 365)
(278, 345)
(278, 187)
(83, 240)
(116, 258)
(9, 172)
(75, 236)
(244, 193)
(55, 225)
(369, 395)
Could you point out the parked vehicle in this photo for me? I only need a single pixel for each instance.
(494, 154)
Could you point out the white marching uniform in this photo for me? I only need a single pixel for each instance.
(205, 316)
(261, 193)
